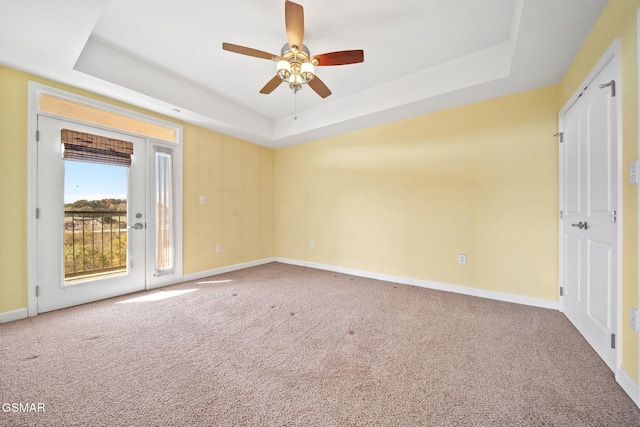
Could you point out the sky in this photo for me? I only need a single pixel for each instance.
(93, 181)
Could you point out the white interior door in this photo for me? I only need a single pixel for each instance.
(589, 230)
(59, 282)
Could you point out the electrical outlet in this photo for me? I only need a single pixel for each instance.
(633, 319)
(462, 258)
(202, 200)
(311, 243)
(218, 248)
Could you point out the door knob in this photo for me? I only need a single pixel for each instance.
(581, 225)
(137, 226)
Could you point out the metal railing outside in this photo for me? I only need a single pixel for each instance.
(95, 242)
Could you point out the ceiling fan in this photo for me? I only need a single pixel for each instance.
(296, 65)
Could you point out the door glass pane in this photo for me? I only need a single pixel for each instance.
(95, 220)
(164, 210)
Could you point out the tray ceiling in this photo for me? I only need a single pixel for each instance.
(420, 56)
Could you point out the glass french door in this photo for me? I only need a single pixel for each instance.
(92, 225)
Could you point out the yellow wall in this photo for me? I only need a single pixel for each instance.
(619, 21)
(13, 187)
(405, 198)
(235, 176)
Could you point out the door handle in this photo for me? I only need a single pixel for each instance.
(137, 226)
(581, 225)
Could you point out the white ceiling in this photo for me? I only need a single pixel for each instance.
(420, 56)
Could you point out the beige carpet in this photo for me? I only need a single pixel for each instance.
(283, 345)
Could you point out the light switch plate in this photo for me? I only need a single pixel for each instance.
(633, 173)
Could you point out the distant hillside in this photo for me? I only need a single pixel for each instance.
(113, 205)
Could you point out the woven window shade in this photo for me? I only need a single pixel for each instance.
(97, 149)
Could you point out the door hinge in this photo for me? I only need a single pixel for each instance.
(612, 83)
(613, 340)
(37, 136)
(37, 213)
(561, 214)
(561, 291)
(131, 263)
(614, 215)
(37, 291)
(560, 135)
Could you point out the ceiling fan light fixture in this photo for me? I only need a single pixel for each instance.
(284, 69)
(307, 71)
(296, 79)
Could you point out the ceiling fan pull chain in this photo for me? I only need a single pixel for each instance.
(295, 106)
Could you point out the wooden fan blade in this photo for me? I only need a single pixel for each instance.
(340, 58)
(319, 87)
(247, 51)
(271, 85)
(294, 22)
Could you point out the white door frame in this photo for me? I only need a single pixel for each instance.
(612, 54)
(35, 89)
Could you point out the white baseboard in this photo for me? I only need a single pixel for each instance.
(629, 386)
(494, 295)
(226, 269)
(10, 316)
